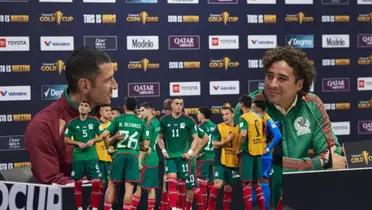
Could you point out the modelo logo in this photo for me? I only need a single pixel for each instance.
(53, 196)
(142, 44)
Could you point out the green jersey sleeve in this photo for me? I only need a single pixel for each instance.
(112, 127)
(68, 131)
(243, 125)
(99, 129)
(145, 133)
(201, 132)
(192, 126)
(216, 135)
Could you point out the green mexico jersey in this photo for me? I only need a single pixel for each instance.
(176, 134)
(134, 131)
(83, 131)
(153, 126)
(208, 152)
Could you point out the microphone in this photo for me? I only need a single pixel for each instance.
(330, 162)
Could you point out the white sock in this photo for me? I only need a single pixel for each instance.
(80, 208)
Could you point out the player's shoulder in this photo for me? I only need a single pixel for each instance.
(93, 118)
(313, 100)
(257, 95)
(188, 117)
(165, 117)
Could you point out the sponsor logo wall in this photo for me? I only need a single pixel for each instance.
(209, 52)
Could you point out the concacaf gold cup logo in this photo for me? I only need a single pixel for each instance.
(142, 17)
(223, 17)
(299, 18)
(365, 18)
(218, 109)
(365, 104)
(57, 17)
(144, 64)
(365, 60)
(58, 66)
(363, 157)
(225, 63)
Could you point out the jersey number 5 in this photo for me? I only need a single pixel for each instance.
(128, 141)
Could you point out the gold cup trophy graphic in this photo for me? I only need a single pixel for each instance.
(225, 17)
(226, 62)
(143, 16)
(145, 63)
(60, 66)
(300, 17)
(58, 15)
(365, 155)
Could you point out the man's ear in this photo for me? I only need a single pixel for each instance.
(84, 85)
(300, 85)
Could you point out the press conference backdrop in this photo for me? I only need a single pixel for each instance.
(208, 51)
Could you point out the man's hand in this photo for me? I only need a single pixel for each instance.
(148, 151)
(232, 135)
(338, 161)
(118, 136)
(186, 156)
(90, 143)
(111, 151)
(217, 144)
(140, 166)
(165, 153)
(238, 151)
(81, 145)
(264, 151)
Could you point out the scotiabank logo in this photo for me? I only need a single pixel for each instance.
(184, 89)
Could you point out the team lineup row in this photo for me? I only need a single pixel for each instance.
(217, 152)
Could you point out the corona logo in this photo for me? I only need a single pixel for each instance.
(299, 18)
(223, 63)
(59, 66)
(223, 17)
(142, 17)
(144, 64)
(56, 17)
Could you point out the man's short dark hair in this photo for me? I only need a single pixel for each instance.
(260, 104)
(147, 105)
(228, 108)
(130, 103)
(177, 97)
(207, 112)
(295, 58)
(246, 101)
(116, 108)
(84, 63)
(105, 105)
(85, 102)
(167, 104)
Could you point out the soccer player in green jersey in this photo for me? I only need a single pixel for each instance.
(206, 155)
(125, 165)
(175, 130)
(83, 130)
(192, 185)
(149, 160)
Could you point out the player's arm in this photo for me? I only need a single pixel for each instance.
(43, 154)
(243, 128)
(320, 143)
(161, 139)
(204, 140)
(195, 140)
(274, 130)
(68, 134)
(145, 140)
(106, 134)
(216, 139)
